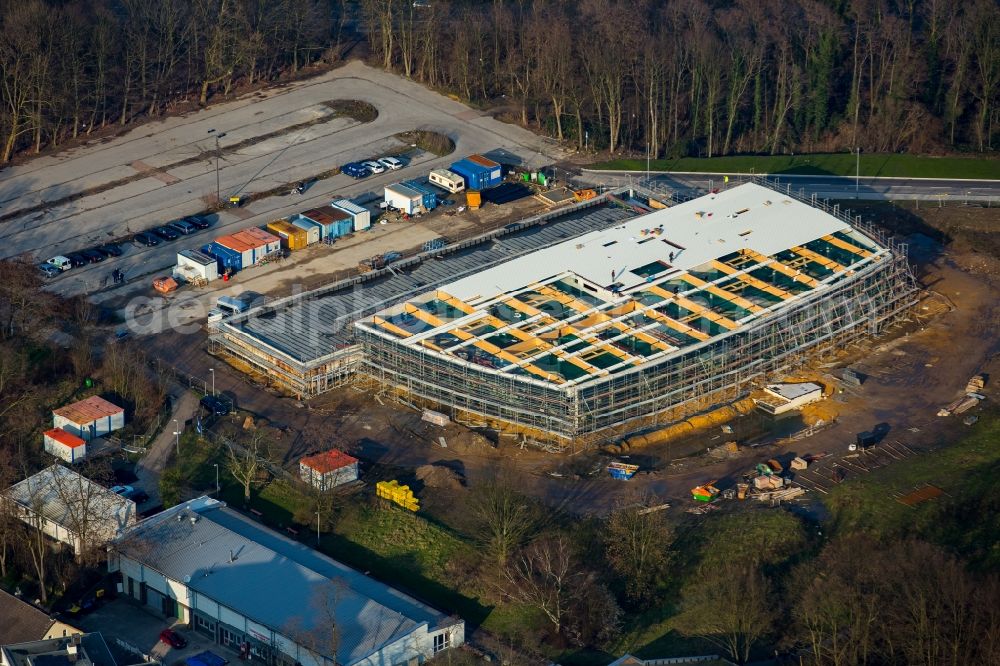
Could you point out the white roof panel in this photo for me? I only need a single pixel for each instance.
(745, 217)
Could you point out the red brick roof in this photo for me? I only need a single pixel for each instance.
(91, 409)
(64, 438)
(328, 461)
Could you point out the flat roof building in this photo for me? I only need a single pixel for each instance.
(75, 650)
(71, 508)
(608, 327)
(237, 582)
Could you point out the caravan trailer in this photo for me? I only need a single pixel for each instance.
(447, 180)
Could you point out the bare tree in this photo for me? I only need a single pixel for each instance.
(317, 629)
(545, 576)
(88, 506)
(502, 517)
(637, 545)
(247, 461)
(730, 605)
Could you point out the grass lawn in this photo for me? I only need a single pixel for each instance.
(966, 518)
(838, 164)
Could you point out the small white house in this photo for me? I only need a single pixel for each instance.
(89, 418)
(328, 469)
(71, 508)
(64, 445)
(447, 180)
(781, 398)
(193, 266)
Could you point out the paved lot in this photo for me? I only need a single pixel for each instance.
(161, 192)
(138, 627)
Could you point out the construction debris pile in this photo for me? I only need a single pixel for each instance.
(971, 398)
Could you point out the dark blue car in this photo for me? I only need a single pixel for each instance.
(356, 170)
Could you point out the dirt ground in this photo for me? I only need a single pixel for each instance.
(913, 371)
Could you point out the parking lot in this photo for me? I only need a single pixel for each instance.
(124, 621)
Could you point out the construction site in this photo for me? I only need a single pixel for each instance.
(595, 320)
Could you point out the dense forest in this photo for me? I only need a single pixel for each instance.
(676, 77)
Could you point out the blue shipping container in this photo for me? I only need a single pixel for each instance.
(428, 195)
(226, 257)
(477, 176)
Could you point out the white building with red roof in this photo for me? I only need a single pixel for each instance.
(89, 418)
(328, 469)
(64, 445)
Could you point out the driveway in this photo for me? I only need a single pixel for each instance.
(125, 621)
(150, 468)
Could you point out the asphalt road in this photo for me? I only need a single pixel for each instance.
(944, 191)
(166, 169)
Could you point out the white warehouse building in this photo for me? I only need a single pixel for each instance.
(253, 590)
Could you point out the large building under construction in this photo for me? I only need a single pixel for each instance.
(590, 323)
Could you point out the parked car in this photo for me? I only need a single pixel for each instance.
(110, 250)
(60, 262)
(215, 405)
(166, 233)
(148, 240)
(374, 166)
(48, 270)
(391, 163)
(182, 227)
(93, 256)
(198, 222)
(76, 259)
(356, 170)
(173, 639)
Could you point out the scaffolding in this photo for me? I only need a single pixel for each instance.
(860, 300)
(866, 288)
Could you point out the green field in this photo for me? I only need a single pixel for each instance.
(966, 518)
(837, 164)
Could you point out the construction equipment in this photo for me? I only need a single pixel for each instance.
(584, 195)
(164, 285)
(775, 466)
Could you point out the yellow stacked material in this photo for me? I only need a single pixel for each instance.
(401, 495)
(710, 419)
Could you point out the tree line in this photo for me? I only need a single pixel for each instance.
(70, 67)
(669, 77)
(696, 77)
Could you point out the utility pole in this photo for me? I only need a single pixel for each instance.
(647, 163)
(212, 371)
(217, 478)
(317, 528)
(177, 436)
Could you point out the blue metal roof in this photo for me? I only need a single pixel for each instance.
(273, 580)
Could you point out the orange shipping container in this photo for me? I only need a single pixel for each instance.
(292, 237)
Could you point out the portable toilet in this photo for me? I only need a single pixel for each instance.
(311, 229)
(362, 218)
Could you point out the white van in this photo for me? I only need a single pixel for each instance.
(60, 262)
(447, 180)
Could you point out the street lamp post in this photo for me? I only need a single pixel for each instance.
(216, 465)
(177, 436)
(212, 371)
(218, 152)
(317, 527)
(857, 172)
